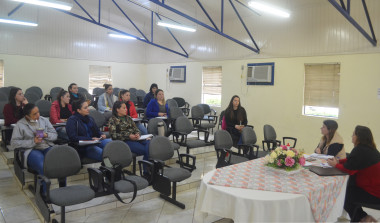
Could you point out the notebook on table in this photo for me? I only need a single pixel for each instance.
(326, 171)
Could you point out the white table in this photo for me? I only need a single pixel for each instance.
(247, 205)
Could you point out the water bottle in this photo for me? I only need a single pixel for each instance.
(160, 129)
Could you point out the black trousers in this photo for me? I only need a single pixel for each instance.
(354, 196)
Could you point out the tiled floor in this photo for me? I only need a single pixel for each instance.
(15, 206)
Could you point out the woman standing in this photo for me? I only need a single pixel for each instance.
(13, 111)
(125, 96)
(363, 164)
(331, 142)
(81, 126)
(236, 119)
(122, 127)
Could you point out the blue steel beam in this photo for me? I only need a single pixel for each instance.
(121, 10)
(222, 15)
(369, 20)
(354, 23)
(100, 6)
(151, 26)
(257, 50)
(15, 9)
(208, 16)
(242, 22)
(247, 7)
(173, 36)
(84, 10)
(348, 6)
(122, 32)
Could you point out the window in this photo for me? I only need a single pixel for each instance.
(99, 75)
(1, 73)
(321, 95)
(212, 86)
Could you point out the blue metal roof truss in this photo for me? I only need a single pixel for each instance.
(162, 4)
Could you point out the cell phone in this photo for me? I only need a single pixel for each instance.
(107, 162)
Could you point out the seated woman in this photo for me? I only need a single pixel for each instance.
(81, 126)
(157, 107)
(125, 96)
(106, 100)
(35, 133)
(74, 94)
(148, 97)
(331, 142)
(122, 127)
(13, 111)
(236, 119)
(60, 111)
(363, 164)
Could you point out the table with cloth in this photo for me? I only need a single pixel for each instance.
(253, 192)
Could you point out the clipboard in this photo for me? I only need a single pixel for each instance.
(327, 171)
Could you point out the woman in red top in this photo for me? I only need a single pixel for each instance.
(125, 96)
(60, 111)
(363, 164)
(13, 111)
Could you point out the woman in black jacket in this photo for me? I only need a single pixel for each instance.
(236, 119)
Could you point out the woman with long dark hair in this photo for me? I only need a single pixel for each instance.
(331, 142)
(363, 164)
(74, 94)
(125, 96)
(148, 97)
(13, 111)
(60, 111)
(236, 119)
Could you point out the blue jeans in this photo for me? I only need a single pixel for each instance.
(141, 148)
(94, 152)
(36, 160)
(143, 130)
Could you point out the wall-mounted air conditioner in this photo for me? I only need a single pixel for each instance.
(260, 74)
(177, 74)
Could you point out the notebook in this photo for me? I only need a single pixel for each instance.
(326, 171)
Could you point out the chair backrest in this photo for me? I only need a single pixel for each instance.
(54, 92)
(248, 136)
(32, 97)
(180, 101)
(2, 104)
(197, 112)
(3, 97)
(118, 152)
(5, 90)
(183, 125)
(116, 91)
(153, 126)
(44, 107)
(175, 112)
(269, 133)
(61, 161)
(171, 103)
(206, 108)
(82, 90)
(160, 148)
(99, 118)
(133, 98)
(222, 140)
(98, 91)
(140, 93)
(132, 90)
(36, 90)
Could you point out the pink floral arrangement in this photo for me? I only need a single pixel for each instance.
(286, 158)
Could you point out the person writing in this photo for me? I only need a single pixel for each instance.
(122, 127)
(148, 97)
(13, 111)
(236, 119)
(363, 164)
(125, 96)
(331, 142)
(157, 107)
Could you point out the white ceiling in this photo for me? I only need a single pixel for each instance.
(314, 28)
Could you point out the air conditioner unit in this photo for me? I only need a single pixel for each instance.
(177, 74)
(260, 74)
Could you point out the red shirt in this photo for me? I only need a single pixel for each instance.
(55, 112)
(9, 115)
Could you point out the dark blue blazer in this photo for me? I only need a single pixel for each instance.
(76, 130)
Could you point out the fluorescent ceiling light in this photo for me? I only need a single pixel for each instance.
(49, 3)
(268, 9)
(181, 27)
(9, 21)
(120, 36)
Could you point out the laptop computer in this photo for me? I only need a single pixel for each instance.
(326, 171)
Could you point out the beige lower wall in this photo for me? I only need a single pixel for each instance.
(279, 105)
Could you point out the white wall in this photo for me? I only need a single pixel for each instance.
(281, 105)
(26, 71)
